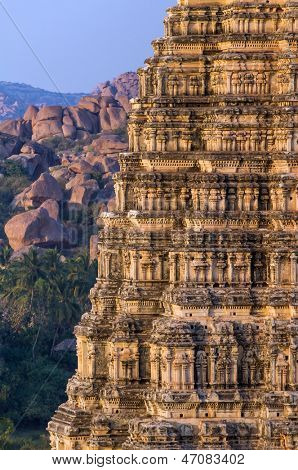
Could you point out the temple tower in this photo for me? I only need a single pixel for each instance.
(192, 340)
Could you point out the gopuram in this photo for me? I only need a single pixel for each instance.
(192, 340)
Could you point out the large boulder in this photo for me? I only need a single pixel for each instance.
(35, 228)
(84, 193)
(77, 180)
(18, 128)
(33, 164)
(52, 207)
(109, 144)
(112, 118)
(61, 174)
(35, 159)
(46, 129)
(104, 164)
(124, 101)
(126, 84)
(84, 120)
(117, 117)
(67, 119)
(69, 131)
(90, 103)
(50, 113)
(46, 187)
(9, 145)
(81, 166)
(48, 154)
(31, 113)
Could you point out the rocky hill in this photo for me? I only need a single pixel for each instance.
(69, 153)
(16, 97)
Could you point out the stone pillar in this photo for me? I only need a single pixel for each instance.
(153, 134)
(173, 267)
(231, 261)
(234, 366)
(294, 265)
(144, 199)
(187, 259)
(195, 199)
(137, 134)
(212, 377)
(135, 263)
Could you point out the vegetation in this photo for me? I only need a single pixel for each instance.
(61, 144)
(42, 297)
(13, 181)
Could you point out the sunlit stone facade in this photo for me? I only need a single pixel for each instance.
(192, 340)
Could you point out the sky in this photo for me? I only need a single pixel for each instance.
(71, 45)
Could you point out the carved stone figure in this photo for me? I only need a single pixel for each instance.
(192, 340)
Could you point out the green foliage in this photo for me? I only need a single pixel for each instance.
(6, 429)
(42, 297)
(61, 144)
(98, 176)
(13, 182)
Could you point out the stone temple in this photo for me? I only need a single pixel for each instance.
(192, 340)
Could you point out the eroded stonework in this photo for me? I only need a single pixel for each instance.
(192, 338)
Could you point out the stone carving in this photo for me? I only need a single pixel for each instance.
(192, 341)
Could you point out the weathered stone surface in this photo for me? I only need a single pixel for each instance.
(124, 101)
(60, 174)
(46, 187)
(117, 117)
(109, 144)
(126, 84)
(33, 164)
(69, 131)
(46, 152)
(81, 166)
(9, 145)
(84, 120)
(45, 129)
(84, 193)
(102, 163)
(31, 113)
(112, 118)
(90, 103)
(77, 180)
(52, 207)
(67, 119)
(50, 113)
(192, 340)
(36, 227)
(83, 135)
(78, 122)
(35, 159)
(18, 128)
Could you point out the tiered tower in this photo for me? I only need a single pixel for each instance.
(192, 341)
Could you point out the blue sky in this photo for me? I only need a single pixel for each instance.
(80, 42)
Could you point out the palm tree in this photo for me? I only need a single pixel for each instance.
(46, 291)
(24, 292)
(82, 275)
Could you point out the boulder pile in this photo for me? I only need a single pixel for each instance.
(105, 110)
(72, 179)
